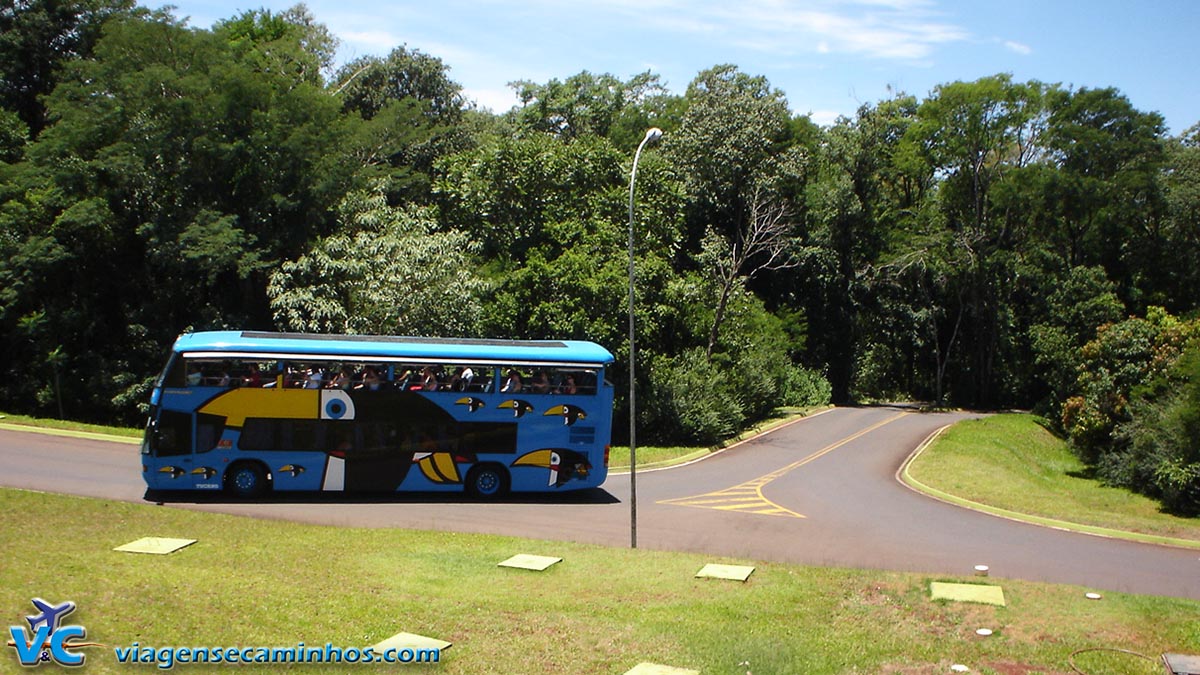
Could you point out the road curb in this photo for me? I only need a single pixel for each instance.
(907, 480)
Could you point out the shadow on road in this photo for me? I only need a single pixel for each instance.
(589, 496)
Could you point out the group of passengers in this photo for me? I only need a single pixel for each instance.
(539, 384)
(381, 378)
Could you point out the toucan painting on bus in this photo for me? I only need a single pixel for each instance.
(563, 464)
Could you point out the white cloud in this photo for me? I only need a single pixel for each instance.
(370, 41)
(824, 117)
(1022, 49)
(884, 29)
(497, 100)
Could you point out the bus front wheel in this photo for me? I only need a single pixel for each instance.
(487, 481)
(246, 480)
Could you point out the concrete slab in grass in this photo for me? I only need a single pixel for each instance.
(991, 595)
(155, 545)
(537, 563)
(732, 572)
(410, 641)
(656, 669)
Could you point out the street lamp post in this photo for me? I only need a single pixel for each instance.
(652, 135)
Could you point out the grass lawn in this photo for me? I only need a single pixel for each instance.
(67, 425)
(1011, 462)
(264, 583)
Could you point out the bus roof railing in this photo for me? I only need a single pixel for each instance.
(393, 349)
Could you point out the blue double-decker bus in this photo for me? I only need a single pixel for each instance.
(250, 412)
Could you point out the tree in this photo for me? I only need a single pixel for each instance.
(387, 271)
(37, 39)
(764, 245)
(974, 135)
(414, 115)
(1162, 438)
(368, 84)
(291, 43)
(1103, 192)
(1122, 357)
(1078, 305)
(586, 104)
(857, 194)
(176, 172)
(1179, 230)
(733, 138)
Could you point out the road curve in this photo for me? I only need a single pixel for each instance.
(821, 491)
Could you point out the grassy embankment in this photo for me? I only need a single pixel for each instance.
(28, 423)
(254, 582)
(1010, 463)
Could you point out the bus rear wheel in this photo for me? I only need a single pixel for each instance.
(487, 481)
(246, 480)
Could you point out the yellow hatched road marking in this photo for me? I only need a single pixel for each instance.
(748, 497)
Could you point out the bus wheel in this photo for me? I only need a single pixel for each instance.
(487, 481)
(246, 480)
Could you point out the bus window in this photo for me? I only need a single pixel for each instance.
(172, 434)
(208, 431)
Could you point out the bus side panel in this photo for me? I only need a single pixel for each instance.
(387, 440)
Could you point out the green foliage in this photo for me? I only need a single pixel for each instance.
(290, 43)
(1076, 307)
(589, 105)
(414, 115)
(964, 247)
(804, 387)
(13, 136)
(38, 38)
(692, 400)
(1132, 407)
(387, 271)
(1160, 450)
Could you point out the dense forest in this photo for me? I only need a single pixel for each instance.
(994, 243)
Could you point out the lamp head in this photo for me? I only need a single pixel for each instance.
(652, 135)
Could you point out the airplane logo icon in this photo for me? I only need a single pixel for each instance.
(51, 616)
(47, 639)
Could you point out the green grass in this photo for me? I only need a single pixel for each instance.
(1011, 462)
(265, 583)
(68, 425)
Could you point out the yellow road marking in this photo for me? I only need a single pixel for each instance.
(748, 497)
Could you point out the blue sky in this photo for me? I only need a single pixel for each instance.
(827, 56)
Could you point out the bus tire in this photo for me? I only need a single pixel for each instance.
(246, 480)
(487, 481)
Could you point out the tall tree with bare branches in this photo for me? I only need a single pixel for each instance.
(763, 243)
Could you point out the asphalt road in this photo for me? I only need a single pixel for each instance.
(821, 491)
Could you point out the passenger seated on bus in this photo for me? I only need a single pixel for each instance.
(512, 383)
(194, 376)
(253, 378)
(370, 379)
(314, 379)
(429, 381)
(461, 379)
(540, 384)
(568, 385)
(340, 379)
